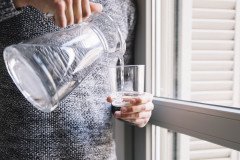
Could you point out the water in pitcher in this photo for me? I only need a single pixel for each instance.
(47, 68)
(58, 67)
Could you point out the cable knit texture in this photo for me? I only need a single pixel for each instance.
(80, 127)
(7, 9)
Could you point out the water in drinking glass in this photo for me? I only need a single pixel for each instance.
(127, 82)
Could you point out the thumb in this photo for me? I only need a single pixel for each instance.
(96, 7)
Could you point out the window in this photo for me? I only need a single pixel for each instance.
(191, 52)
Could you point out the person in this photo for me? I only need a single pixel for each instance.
(80, 127)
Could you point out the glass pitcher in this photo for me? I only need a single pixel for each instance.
(46, 69)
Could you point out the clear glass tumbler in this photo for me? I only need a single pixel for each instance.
(46, 69)
(126, 82)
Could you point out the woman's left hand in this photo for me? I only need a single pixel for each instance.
(138, 112)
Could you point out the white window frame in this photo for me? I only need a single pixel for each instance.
(220, 125)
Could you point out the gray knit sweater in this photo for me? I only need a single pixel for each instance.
(80, 127)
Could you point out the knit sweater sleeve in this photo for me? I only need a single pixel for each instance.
(7, 10)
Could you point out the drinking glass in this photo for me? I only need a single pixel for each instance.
(46, 69)
(127, 82)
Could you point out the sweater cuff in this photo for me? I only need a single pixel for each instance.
(8, 10)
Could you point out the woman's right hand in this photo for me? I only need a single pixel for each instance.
(65, 12)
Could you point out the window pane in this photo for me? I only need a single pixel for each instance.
(168, 145)
(199, 53)
(209, 58)
(198, 61)
(191, 148)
